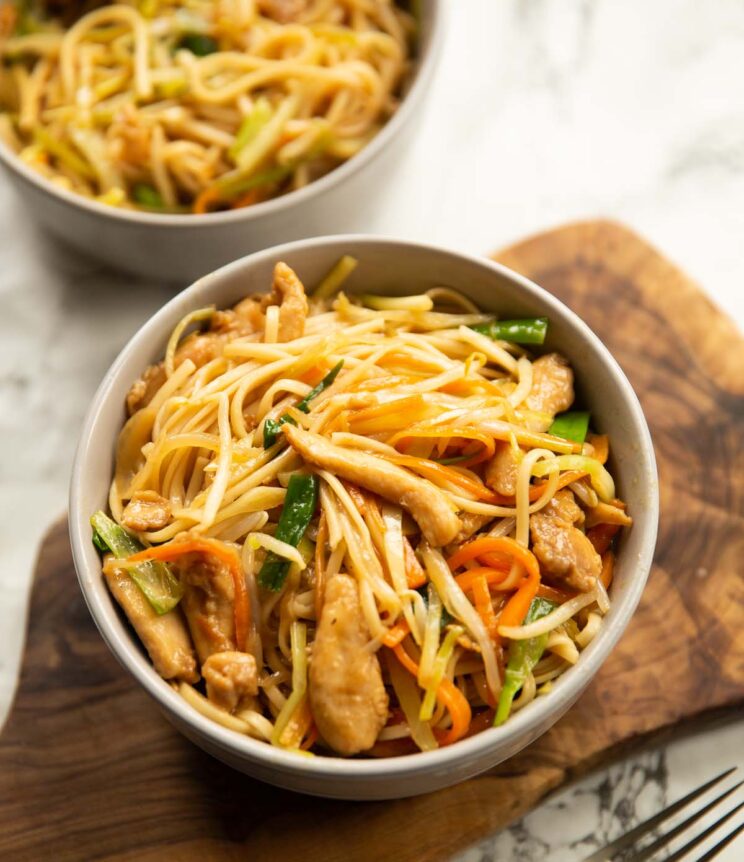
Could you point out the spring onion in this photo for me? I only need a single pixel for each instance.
(250, 127)
(299, 507)
(439, 666)
(198, 43)
(160, 586)
(523, 656)
(526, 330)
(341, 270)
(147, 196)
(445, 616)
(272, 427)
(572, 425)
(64, 154)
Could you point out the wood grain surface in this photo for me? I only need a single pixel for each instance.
(89, 769)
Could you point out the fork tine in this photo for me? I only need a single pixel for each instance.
(606, 853)
(724, 842)
(664, 840)
(683, 851)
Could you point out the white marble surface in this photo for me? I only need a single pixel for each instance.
(542, 111)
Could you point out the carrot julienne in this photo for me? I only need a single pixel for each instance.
(483, 604)
(448, 694)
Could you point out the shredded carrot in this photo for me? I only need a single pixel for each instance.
(415, 574)
(601, 446)
(246, 200)
(320, 565)
(494, 544)
(449, 695)
(608, 568)
(396, 634)
(491, 574)
(313, 375)
(205, 200)
(601, 536)
(516, 608)
(483, 604)
(225, 554)
(395, 358)
(378, 416)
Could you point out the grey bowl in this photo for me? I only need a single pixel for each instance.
(391, 266)
(180, 248)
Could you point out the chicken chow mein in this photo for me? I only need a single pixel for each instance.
(359, 525)
(192, 106)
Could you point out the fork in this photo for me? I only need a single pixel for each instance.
(624, 842)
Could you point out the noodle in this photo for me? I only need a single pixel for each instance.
(178, 107)
(332, 511)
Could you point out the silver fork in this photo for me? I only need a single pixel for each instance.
(624, 842)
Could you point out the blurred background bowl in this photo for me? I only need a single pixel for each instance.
(180, 248)
(385, 266)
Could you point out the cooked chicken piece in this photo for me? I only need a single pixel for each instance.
(347, 695)
(426, 503)
(208, 602)
(564, 506)
(143, 390)
(552, 387)
(199, 347)
(282, 11)
(501, 471)
(287, 290)
(232, 679)
(605, 513)
(244, 319)
(471, 523)
(564, 552)
(147, 510)
(164, 636)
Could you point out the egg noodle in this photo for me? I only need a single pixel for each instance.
(452, 597)
(197, 105)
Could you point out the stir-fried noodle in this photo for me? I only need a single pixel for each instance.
(197, 105)
(369, 524)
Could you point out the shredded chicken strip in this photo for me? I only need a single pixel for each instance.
(426, 503)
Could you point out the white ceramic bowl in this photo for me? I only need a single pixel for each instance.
(385, 266)
(180, 248)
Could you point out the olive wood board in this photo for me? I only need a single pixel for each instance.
(89, 769)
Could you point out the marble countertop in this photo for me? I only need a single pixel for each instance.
(542, 111)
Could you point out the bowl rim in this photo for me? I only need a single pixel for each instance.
(424, 70)
(525, 724)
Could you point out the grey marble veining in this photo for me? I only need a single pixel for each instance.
(542, 111)
(573, 823)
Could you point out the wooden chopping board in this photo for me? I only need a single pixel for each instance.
(89, 769)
